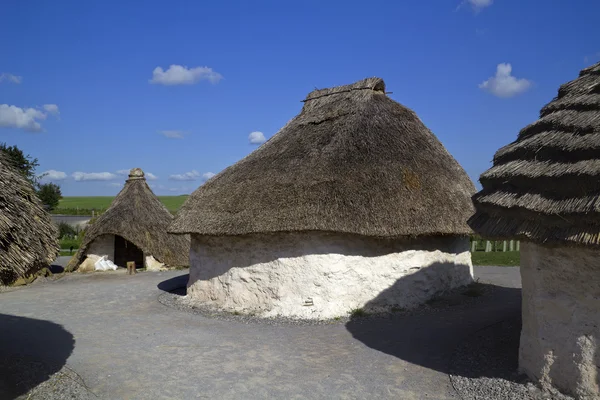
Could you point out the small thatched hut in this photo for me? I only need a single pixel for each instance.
(544, 189)
(134, 228)
(28, 238)
(352, 195)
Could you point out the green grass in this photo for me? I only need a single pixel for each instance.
(67, 243)
(91, 202)
(500, 258)
(358, 313)
(83, 205)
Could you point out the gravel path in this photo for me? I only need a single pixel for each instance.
(110, 336)
(484, 366)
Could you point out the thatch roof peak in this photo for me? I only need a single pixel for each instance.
(353, 161)
(28, 237)
(136, 173)
(545, 185)
(137, 215)
(373, 84)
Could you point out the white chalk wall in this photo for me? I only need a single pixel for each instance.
(152, 264)
(103, 245)
(331, 273)
(561, 318)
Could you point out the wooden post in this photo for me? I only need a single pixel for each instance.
(504, 246)
(131, 267)
(518, 245)
(473, 246)
(488, 246)
(511, 245)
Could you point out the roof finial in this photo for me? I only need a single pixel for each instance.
(136, 173)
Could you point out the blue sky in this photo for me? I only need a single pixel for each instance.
(87, 87)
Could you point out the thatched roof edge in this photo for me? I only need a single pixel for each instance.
(28, 237)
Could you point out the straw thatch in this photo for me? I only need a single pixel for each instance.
(138, 216)
(28, 238)
(545, 186)
(352, 161)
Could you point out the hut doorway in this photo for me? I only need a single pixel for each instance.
(127, 251)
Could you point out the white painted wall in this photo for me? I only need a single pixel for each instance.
(561, 318)
(277, 274)
(103, 245)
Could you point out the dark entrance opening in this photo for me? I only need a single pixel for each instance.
(127, 251)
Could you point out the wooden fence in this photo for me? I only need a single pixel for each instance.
(488, 245)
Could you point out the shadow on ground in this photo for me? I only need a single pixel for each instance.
(430, 336)
(176, 285)
(56, 269)
(31, 350)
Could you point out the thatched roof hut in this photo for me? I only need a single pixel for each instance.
(354, 173)
(544, 188)
(352, 161)
(28, 238)
(133, 228)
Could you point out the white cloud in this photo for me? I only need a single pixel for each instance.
(476, 5)
(256, 138)
(192, 176)
(188, 176)
(503, 84)
(53, 175)
(115, 184)
(21, 118)
(93, 176)
(51, 109)
(5, 76)
(173, 190)
(172, 134)
(148, 175)
(182, 75)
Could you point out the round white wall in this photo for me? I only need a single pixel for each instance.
(318, 275)
(560, 337)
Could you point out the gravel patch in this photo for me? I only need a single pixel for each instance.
(456, 299)
(65, 384)
(484, 367)
(28, 377)
(177, 300)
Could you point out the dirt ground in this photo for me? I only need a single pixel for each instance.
(109, 336)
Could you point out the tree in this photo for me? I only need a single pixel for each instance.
(24, 163)
(50, 194)
(66, 231)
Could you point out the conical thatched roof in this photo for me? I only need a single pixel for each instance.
(352, 161)
(138, 216)
(545, 186)
(28, 238)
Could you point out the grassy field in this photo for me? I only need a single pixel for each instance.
(76, 205)
(499, 258)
